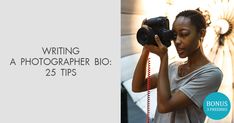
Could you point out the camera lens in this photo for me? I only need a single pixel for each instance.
(145, 35)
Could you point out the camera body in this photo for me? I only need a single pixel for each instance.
(156, 26)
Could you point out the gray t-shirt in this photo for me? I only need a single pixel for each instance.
(196, 85)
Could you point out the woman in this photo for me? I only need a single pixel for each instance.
(181, 86)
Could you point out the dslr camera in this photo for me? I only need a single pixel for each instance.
(156, 26)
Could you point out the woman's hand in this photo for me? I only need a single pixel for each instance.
(143, 22)
(159, 50)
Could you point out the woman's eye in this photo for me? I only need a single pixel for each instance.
(183, 34)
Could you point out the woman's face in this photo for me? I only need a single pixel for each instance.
(187, 40)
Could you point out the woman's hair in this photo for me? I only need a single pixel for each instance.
(196, 18)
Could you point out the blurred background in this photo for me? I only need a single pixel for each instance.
(218, 45)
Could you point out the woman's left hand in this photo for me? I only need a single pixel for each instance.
(159, 50)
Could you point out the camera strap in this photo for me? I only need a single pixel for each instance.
(148, 93)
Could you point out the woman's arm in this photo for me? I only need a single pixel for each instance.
(139, 81)
(167, 101)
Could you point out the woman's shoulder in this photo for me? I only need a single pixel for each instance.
(213, 69)
(210, 72)
(209, 68)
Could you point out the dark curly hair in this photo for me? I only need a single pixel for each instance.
(196, 18)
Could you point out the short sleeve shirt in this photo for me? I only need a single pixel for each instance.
(196, 86)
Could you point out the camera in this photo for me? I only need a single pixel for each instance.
(156, 26)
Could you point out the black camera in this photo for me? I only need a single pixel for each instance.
(156, 26)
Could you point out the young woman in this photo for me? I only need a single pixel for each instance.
(181, 86)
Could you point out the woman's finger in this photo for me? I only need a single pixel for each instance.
(143, 22)
(158, 41)
(151, 48)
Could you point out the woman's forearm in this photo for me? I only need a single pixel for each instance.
(138, 81)
(163, 91)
